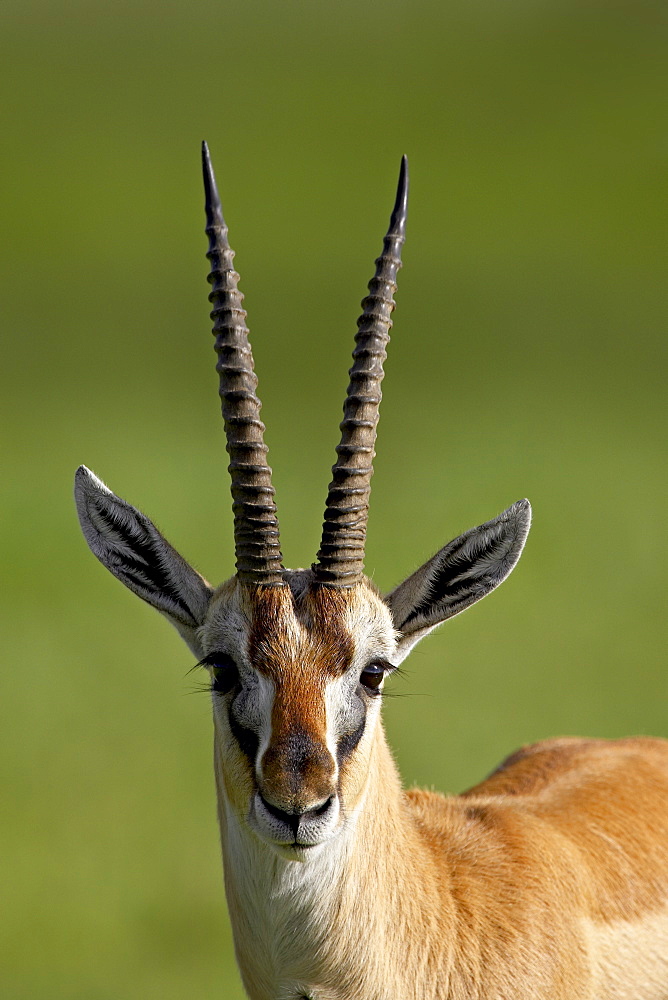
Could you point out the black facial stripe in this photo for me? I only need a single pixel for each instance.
(349, 741)
(248, 740)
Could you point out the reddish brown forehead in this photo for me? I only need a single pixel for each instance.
(299, 647)
(300, 636)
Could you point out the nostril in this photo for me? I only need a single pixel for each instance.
(321, 809)
(285, 817)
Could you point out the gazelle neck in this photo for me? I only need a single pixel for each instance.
(331, 919)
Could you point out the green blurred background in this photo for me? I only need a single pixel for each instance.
(527, 360)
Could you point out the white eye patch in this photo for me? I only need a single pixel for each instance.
(347, 713)
(263, 706)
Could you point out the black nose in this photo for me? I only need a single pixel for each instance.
(293, 819)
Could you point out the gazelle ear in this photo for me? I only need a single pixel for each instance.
(460, 574)
(132, 548)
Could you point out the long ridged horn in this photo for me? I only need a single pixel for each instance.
(341, 556)
(256, 537)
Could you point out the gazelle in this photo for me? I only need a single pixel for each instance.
(547, 881)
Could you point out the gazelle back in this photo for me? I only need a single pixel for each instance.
(549, 880)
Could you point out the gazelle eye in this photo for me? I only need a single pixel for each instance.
(224, 672)
(372, 677)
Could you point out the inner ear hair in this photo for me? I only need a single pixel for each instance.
(463, 572)
(131, 547)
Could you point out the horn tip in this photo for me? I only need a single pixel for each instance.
(214, 211)
(400, 210)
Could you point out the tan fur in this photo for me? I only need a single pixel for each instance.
(549, 880)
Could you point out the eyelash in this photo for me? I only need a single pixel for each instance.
(224, 672)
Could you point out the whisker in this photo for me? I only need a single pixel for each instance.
(199, 689)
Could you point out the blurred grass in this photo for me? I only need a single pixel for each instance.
(528, 359)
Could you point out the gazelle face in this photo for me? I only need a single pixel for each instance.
(297, 672)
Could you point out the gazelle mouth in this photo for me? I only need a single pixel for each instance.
(294, 831)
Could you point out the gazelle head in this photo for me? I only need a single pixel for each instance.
(297, 658)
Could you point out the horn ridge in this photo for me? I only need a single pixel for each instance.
(340, 560)
(256, 531)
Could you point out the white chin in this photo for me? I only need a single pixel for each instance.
(293, 852)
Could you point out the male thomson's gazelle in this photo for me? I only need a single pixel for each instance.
(548, 880)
